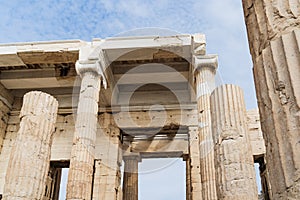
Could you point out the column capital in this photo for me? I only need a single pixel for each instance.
(133, 156)
(92, 59)
(206, 61)
(83, 66)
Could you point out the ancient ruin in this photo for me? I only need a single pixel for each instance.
(96, 107)
(105, 94)
(274, 38)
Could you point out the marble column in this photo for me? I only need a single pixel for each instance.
(80, 177)
(274, 40)
(130, 179)
(235, 174)
(205, 70)
(30, 156)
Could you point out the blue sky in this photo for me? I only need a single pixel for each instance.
(221, 20)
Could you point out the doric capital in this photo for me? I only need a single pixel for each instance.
(198, 44)
(207, 61)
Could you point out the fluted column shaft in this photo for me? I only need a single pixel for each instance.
(83, 150)
(205, 83)
(30, 156)
(130, 179)
(235, 175)
(274, 38)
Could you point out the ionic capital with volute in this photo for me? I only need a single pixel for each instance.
(205, 62)
(92, 60)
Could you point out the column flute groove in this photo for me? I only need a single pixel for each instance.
(30, 156)
(235, 176)
(276, 58)
(205, 70)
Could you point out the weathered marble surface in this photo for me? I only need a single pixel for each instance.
(30, 156)
(274, 37)
(235, 175)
